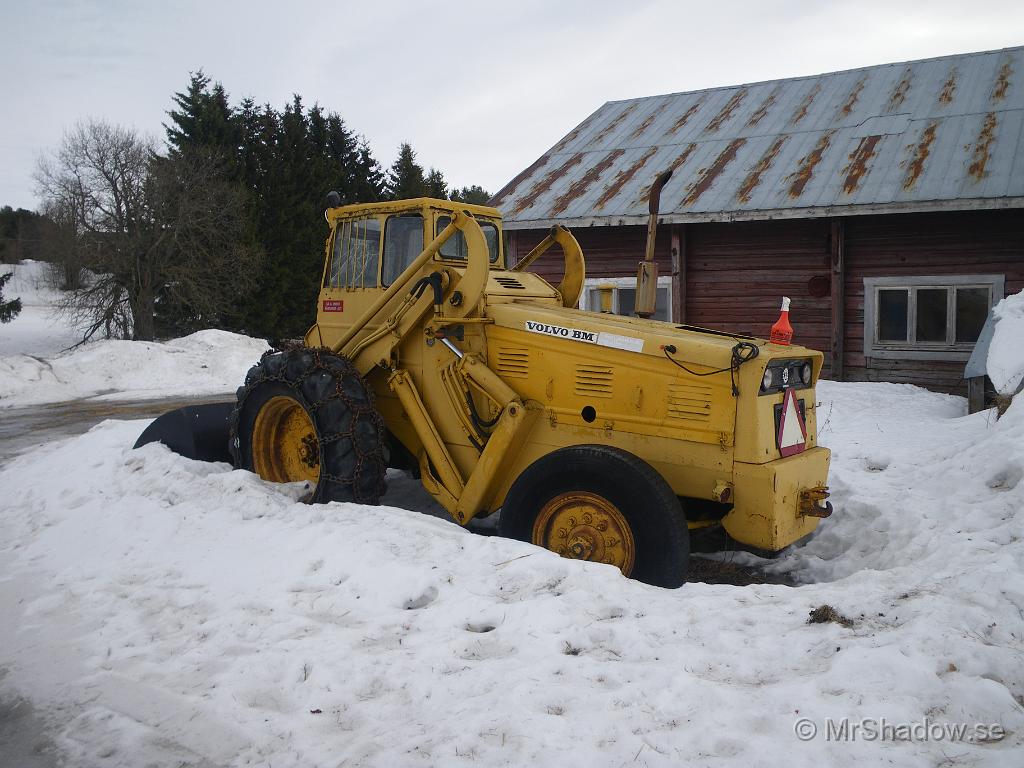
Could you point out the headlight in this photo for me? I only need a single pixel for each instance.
(805, 373)
(781, 374)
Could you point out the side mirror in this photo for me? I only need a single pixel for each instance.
(333, 199)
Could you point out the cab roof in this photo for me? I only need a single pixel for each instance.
(412, 204)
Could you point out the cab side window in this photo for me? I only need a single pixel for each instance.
(455, 247)
(403, 242)
(356, 253)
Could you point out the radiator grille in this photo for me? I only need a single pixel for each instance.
(689, 402)
(513, 363)
(593, 381)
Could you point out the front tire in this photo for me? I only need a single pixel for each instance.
(306, 415)
(603, 504)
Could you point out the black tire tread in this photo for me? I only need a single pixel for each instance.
(644, 497)
(350, 430)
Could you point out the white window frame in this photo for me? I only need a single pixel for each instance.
(590, 283)
(913, 350)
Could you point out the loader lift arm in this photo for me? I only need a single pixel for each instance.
(451, 297)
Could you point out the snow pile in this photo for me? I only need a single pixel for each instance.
(207, 362)
(37, 330)
(163, 611)
(1006, 352)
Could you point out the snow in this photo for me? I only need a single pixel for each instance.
(169, 612)
(1006, 352)
(36, 366)
(37, 330)
(205, 363)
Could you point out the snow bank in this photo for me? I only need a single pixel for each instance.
(163, 611)
(37, 330)
(207, 362)
(1006, 352)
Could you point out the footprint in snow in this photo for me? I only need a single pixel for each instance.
(425, 599)
(876, 463)
(1006, 479)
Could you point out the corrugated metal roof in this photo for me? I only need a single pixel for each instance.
(924, 135)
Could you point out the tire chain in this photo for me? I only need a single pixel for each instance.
(295, 367)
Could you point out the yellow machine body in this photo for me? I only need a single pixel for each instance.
(418, 294)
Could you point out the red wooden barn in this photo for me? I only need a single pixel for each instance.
(886, 201)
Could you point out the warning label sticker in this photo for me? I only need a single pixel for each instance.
(334, 305)
(601, 338)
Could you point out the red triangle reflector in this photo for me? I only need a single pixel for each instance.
(792, 430)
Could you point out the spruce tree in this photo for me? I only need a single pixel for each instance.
(8, 309)
(436, 185)
(405, 179)
(475, 194)
(202, 118)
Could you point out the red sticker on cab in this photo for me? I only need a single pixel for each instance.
(334, 305)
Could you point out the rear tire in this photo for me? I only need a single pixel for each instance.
(307, 415)
(594, 502)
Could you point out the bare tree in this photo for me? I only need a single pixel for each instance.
(161, 236)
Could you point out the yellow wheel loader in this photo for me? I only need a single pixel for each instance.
(598, 436)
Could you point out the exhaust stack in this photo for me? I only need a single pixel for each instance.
(647, 271)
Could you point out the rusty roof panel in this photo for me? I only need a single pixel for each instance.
(983, 147)
(852, 98)
(754, 177)
(925, 133)
(1002, 84)
(580, 185)
(763, 108)
(949, 87)
(547, 183)
(678, 159)
(640, 129)
(708, 175)
(899, 92)
(623, 177)
(727, 111)
(805, 104)
(805, 171)
(919, 155)
(614, 123)
(1008, 159)
(684, 118)
(859, 164)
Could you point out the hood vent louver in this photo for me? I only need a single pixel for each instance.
(513, 363)
(593, 381)
(689, 402)
(509, 282)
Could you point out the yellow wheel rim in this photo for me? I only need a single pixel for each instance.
(584, 526)
(284, 444)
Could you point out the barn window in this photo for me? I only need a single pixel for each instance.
(927, 318)
(624, 296)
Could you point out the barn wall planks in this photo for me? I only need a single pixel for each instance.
(738, 273)
(957, 243)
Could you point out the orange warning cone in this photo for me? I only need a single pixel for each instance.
(782, 331)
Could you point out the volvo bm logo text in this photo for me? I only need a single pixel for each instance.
(563, 333)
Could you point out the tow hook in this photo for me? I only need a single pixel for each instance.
(813, 502)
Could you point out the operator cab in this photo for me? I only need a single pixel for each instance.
(372, 244)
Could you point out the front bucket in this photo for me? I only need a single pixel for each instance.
(196, 432)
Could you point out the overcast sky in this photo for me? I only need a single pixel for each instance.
(479, 90)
